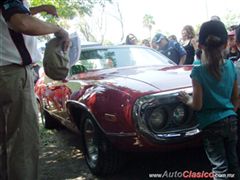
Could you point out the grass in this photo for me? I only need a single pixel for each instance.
(47, 137)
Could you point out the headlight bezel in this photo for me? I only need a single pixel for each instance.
(168, 100)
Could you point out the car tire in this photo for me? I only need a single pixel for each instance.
(101, 157)
(49, 122)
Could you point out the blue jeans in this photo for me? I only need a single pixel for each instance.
(220, 142)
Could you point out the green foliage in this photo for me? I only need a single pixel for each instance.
(68, 9)
(231, 18)
(47, 136)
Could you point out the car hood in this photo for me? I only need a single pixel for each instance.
(144, 79)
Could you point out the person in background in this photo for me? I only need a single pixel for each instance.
(232, 51)
(19, 140)
(146, 42)
(172, 49)
(131, 39)
(215, 18)
(189, 43)
(215, 99)
(172, 37)
(237, 39)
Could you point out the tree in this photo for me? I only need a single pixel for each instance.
(93, 27)
(68, 9)
(148, 22)
(119, 18)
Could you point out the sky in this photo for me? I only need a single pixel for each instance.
(169, 15)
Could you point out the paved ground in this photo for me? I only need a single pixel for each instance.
(61, 159)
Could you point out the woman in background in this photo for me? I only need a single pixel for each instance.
(131, 39)
(188, 41)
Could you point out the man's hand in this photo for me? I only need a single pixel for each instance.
(49, 9)
(62, 34)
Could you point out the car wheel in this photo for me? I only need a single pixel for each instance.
(49, 122)
(101, 157)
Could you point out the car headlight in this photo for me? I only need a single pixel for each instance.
(157, 119)
(179, 114)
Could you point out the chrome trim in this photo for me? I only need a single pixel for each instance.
(172, 137)
(174, 92)
(85, 108)
(185, 134)
(154, 100)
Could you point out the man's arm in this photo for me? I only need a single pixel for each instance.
(182, 60)
(29, 25)
(20, 20)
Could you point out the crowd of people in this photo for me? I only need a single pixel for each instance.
(214, 82)
(185, 51)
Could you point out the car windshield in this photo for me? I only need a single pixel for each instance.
(121, 57)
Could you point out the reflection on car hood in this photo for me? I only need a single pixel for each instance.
(144, 79)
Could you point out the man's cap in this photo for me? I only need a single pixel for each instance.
(55, 62)
(213, 28)
(158, 37)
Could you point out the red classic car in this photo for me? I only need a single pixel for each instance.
(120, 99)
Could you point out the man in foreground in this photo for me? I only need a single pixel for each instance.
(19, 141)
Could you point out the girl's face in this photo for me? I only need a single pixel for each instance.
(231, 41)
(184, 34)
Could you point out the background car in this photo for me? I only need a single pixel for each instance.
(120, 99)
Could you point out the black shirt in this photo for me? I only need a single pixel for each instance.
(190, 53)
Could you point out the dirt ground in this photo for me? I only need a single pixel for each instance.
(61, 159)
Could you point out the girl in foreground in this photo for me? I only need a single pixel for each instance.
(215, 98)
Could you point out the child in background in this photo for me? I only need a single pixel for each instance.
(237, 35)
(215, 98)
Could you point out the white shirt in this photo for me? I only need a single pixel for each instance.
(8, 51)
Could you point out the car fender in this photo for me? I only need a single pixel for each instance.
(77, 110)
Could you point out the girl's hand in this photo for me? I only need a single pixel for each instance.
(185, 97)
